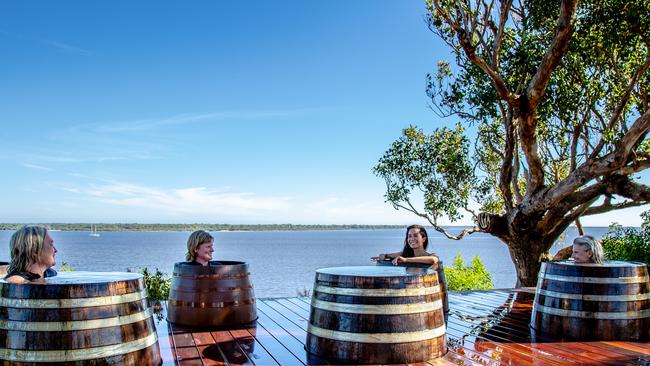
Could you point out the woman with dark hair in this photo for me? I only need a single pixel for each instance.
(414, 251)
(32, 255)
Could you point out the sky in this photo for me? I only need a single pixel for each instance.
(250, 112)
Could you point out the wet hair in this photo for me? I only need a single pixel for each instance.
(593, 245)
(25, 246)
(194, 242)
(408, 251)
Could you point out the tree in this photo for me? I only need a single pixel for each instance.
(556, 95)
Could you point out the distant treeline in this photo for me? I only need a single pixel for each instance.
(208, 227)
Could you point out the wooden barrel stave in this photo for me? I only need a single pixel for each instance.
(593, 302)
(442, 278)
(68, 340)
(371, 323)
(377, 319)
(390, 353)
(147, 356)
(217, 295)
(76, 319)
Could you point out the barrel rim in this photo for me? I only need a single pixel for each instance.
(400, 271)
(65, 279)
(218, 263)
(605, 264)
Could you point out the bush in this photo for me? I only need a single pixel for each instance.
(461, 277)
(628, 244)
(157, 284)
(66, 267)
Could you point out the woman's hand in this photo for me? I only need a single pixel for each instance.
(398, 260)
(380, 257)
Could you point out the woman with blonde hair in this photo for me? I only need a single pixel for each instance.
(32, 255)
(199, 248)
(586, 249)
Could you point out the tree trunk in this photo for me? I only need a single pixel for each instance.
(527, 255)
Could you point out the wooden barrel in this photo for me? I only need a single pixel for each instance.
(219, 294)
(609, 301)
(376, 315)
(78, 318)
(442, 279)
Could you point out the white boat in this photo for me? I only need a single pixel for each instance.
(93, 231)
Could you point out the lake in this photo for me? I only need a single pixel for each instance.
(282, 263)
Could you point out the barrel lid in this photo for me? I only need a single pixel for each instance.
(376, 271)
(81, 277)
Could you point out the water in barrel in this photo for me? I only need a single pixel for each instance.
(609, 301)
(376, 315)
(78, 318)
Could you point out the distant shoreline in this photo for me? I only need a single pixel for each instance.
(208, 227)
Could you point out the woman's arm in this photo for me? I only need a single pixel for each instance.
(427, 259)
(384, 256)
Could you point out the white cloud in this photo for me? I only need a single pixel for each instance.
(66, 47)
(181, 119)
(196, 201)
(38, 167)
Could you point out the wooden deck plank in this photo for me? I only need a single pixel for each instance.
(298, 310)
(285, 332)
(254, 350)
(484, 328)
(229, 348)
(276, 349)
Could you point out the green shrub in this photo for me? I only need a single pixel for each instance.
(157, 284)
(461, 277)
(628, 244)
(66, 267)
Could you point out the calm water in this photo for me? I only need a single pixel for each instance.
(281, 262)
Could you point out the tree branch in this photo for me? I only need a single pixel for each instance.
(558, 47)
(434, 222)
(465, 41)
(622, 102)
(606, 208)
(593, 168)
(498, 37)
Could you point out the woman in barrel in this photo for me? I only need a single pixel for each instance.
(199, 248)
(414, 251)
(32, 255)
(586, 249)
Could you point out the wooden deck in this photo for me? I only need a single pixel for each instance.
(483, 328)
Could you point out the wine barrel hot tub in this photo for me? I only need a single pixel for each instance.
(609, 301)
(376, 315)
(220, 294)
(78, 318)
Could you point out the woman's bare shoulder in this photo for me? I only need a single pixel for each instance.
(16, 279)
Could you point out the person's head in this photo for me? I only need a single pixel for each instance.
(416, 237)
(199, 247)
(31, 245)
(586, 249)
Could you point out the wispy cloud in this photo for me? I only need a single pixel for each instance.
(66, 47)
(38, 167)
(188, 118)
(180, 201)
(61, 46)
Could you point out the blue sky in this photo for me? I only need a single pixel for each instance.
(207, 111)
